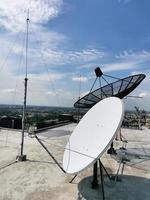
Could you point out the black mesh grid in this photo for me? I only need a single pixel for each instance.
(119, 88)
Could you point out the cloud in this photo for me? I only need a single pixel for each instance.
(127, 60)
(142, 94)
(13, 13)
(118, 66)
(12, 87)
(133, 61)
(61, 57)
(124, 1)
(51, 48)
(8, 90)
(43, 43)
(46, 77)
(80, 79)
(13, 38)
(45, 38)
(136, 56)
(50, 93)
(46, 47)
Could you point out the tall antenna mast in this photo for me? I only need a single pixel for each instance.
(22, 157)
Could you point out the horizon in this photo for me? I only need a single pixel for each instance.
(19, 105)
(67, 41)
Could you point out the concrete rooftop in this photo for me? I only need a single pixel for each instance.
(39, 178)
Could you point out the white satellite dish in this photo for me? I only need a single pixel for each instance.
(93, 135)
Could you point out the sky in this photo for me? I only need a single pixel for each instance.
(68, 39)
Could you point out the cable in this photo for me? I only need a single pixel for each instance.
(49, 78)
(19, 67)
(4, 166)
(10, 50)
(64, 148)
(51, 82)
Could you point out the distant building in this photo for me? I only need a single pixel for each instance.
(64, 117)
(11, 122)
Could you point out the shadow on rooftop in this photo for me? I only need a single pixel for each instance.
(130, 188)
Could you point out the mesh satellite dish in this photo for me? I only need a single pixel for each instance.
(93, 135)
(119, 88)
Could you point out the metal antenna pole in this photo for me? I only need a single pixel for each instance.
(22, 157)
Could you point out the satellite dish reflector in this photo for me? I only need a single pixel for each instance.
(93, 135)
(119, 88)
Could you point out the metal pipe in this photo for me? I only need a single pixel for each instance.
(49, 153)
(25, 89)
